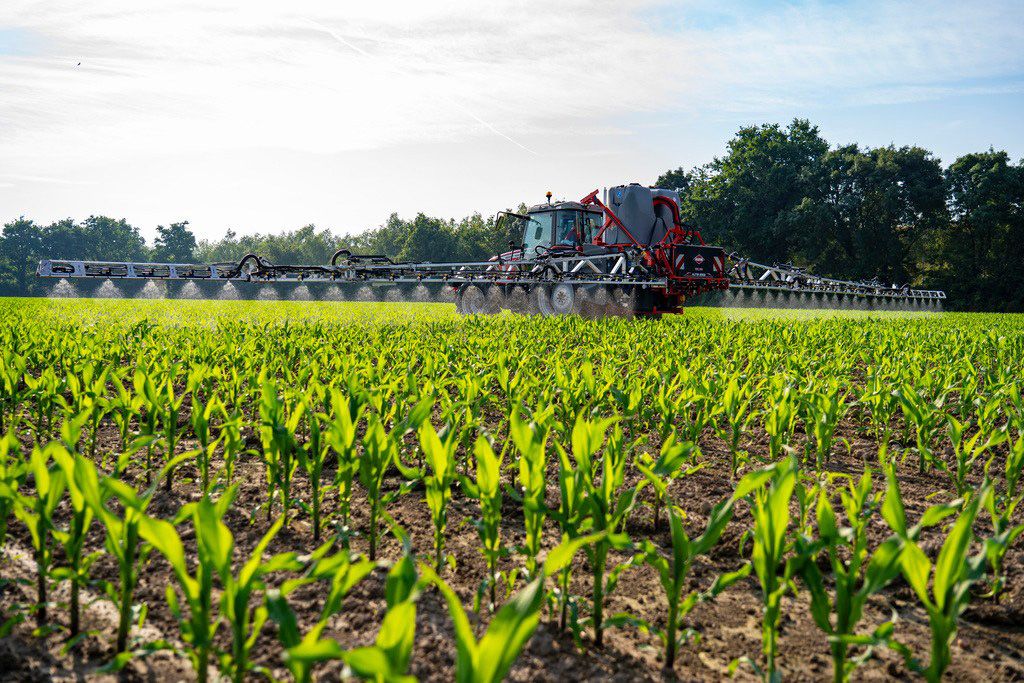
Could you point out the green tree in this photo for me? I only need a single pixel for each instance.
(985, 238)
(20, 249)
(110, 239)
(678, 180)
(871, 213)
(174, 244)
(745, 200)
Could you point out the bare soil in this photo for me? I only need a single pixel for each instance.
(989, 645)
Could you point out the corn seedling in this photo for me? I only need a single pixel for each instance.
(1004, 532)
(302, 652)
(36, 513)
(674, 569)
(341, 435)
(951, 577)
(486, 488)
(531, 439)
(966, 451)
(606, 506)
(387, 660)
(856, 576)
(670, 465)
(214, 545)
(770, 509)
(277, 431)
(378, 455)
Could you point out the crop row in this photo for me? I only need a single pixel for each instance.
(99, 416)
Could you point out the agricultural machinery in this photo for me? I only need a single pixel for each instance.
(624, 255)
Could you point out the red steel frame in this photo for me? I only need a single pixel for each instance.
(663, 256)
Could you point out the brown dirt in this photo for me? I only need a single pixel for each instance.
(989, 645)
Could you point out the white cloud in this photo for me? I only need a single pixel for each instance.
(165, 81)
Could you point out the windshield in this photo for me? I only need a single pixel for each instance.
(565, 229)
(537, 231)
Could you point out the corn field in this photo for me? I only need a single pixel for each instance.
(251, 491)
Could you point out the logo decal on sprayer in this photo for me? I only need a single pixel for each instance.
(698, 259)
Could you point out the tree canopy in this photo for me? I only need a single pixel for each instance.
(779, 194)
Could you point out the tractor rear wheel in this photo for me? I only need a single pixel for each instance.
(471, 300)
(557, 299)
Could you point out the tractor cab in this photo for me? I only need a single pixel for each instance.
(562, 225)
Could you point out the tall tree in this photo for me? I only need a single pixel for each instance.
(871, 213)
(110, 239)
(20, 250)
(174, 244)
(746, 198)
(984, 246)
(678, 180)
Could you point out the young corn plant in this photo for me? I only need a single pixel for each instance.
(670, 465)
(780, 415)
(73, 539)
(231, 435)
(530, 439)
(277, 432)
(439, 453)
(856, 575)
(122, 538)
(200, 418)
(486, 488)
(823, 410)
(952, 576)
(882, 404)
(924, 417)
(88, 398)
(770, 509)
(341, 435)
(489, 659)
(170, 407)
(124, 407)
(569, 515)
(1014, 466)
(388, 658)
(43, 391)
(145, 393)
(245, 621)
(674, 569)
(967, 451)
(13, 472)
(303, 652)
(36, 512)
(1005, 532)
(312, 458)
(736, 403)
(378, 455)
(606, 507)
(12, 369)
(214, 545)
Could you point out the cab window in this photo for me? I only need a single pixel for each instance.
(537, 231)
(592, 223)
(565, 228)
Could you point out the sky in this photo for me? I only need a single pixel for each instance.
(264, 116)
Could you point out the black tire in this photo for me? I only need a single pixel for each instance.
(557, 299)
(475, 302)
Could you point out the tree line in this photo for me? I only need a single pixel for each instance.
(778, 194)
(783, 194)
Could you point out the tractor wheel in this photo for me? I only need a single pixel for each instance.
(557, 299)
(474, 302)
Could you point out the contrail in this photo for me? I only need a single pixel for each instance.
(399, 72)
